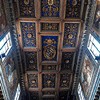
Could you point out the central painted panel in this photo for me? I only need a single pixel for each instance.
(49, 48)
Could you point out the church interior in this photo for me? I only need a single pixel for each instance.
(49, 49)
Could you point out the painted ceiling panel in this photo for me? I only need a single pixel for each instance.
(49, 67)
(48, 93)
(32, 80)
(49, 48)
(70, 34)
(34, 95)
(28, 30)
(73, 8)
(27, 8)
(50, 8)
(31, 61)
(65, 79)
(49, 42)
(50, 27)
(67, 60)
(48, 80)
(63, 95)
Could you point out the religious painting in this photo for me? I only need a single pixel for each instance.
(11, 74)
(28, 30)
(96, 23)
(73, 8)
(70, 35)
(3, 21)
(50, 8)
(27, 8)
(87, 75)
(49, 48)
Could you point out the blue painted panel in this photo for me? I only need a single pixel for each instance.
(50, 8)
(70, 34)
(49, 48)
(27, 8)
(28, 34)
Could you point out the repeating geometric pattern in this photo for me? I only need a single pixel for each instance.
(67, 60)
(70, 34)
(32, 80)
(49, 48)
(48, 80)
(65, 79)
(50, 8)
(49, 67)
(31, 61)
(50, 27)
(73, 8)
(27, 8)
(28, 30)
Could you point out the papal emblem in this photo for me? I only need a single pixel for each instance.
(49, 50)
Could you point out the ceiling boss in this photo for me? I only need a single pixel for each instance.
(50, 2)
(26, 2)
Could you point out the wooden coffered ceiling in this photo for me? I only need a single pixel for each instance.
(49, 36)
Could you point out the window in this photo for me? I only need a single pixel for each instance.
(17, 93)
(80, 93)
(93, 46)
(5, 46)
